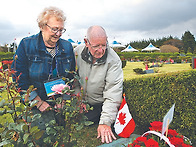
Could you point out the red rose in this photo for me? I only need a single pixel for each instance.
(141, 139)
(176, 141)
(172, 133)
(151, 143)
(156, 126)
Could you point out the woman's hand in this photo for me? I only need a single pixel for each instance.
(41, 105)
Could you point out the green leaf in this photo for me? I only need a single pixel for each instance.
(28, 118)
(10, 111)
(34, 130)
(52, 122)
(22, 106)
(19, 127)
(12, 126)
(31, 145)
(38, 135)
(88, 123)
(25, 128)
(47, 140)
(79, 127)
(50, 100)
(2, 103)
(36, 116)
(19, 109)
(33, 103)
(51, 131)
(3, 112)
(5, 142)
(25, 137)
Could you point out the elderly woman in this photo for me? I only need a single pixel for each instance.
(44, 57)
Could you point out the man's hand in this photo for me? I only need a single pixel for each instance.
(106, 134)
(41, 105)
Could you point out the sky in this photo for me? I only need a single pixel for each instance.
(123, 20)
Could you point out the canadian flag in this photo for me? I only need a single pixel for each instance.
(124, 124)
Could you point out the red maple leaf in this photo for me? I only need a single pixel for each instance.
(121, 118)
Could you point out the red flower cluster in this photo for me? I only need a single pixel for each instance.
(156, 126)
(176, 139)
(7, 62)
(143, 141)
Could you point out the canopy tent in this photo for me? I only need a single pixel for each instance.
(72, 42)
(151, 48)
(116, 46)
(81, 42)
(129, 49)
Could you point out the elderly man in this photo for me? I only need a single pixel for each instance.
(103, 68)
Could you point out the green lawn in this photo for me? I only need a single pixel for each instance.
(167, 68)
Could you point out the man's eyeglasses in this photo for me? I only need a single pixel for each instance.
(56, 30)
(96, 47)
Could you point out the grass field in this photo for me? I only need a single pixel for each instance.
(167, 68)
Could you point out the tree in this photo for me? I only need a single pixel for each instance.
(189, 42)
(4, 48)
(174, 42)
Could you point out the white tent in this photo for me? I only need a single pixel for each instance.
(129, 49)
(72, 42)
(115, 44)
(151, 48)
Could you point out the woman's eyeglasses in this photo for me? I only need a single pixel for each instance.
(56, 30)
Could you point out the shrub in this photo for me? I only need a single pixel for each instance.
(150, 98)
(7, 55)
(168, 49)
(178, 60)
(152, 60)
(22, 132)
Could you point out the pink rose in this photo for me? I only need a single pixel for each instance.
(58, 88)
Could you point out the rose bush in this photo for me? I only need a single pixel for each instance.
(21, 133)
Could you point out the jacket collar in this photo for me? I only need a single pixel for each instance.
(87, 56)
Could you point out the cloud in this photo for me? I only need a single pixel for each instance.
(125, 20)
(144, 19)
(11, 32)
(6, 30)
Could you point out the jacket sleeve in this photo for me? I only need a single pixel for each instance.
(20, 65)
(112, 93)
